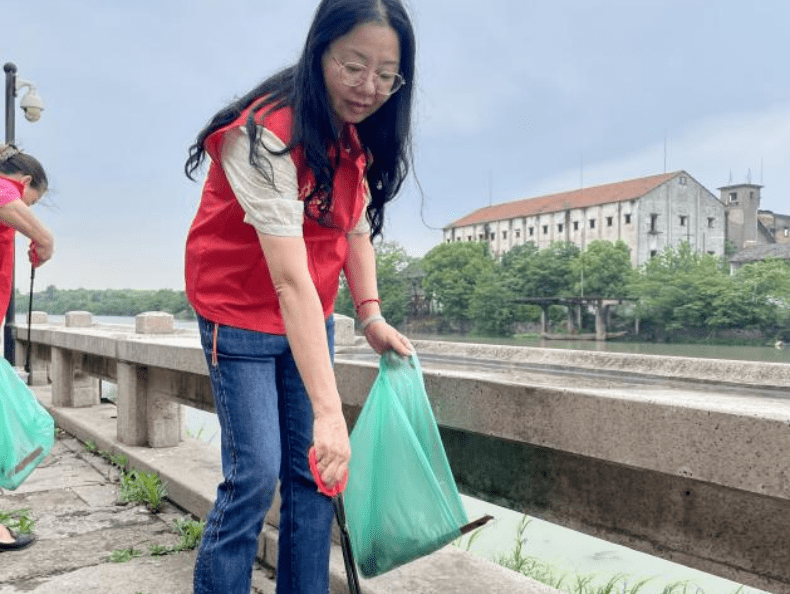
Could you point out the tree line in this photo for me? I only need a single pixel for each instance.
(107, 302)
(462, 287)
(679, 294)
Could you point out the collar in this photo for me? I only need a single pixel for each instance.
(17, 184)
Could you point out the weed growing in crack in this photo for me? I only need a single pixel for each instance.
(143, 487)
(124, 555)
(18, 520)
(190, 530)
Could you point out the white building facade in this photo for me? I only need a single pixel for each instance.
(648, 214)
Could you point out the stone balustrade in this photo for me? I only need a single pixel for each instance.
(686, 459)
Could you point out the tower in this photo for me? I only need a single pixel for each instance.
(741, 203)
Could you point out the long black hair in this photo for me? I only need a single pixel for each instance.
(386, 133)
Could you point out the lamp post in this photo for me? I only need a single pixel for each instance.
(32, 105)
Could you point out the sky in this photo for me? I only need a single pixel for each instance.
(514, 99)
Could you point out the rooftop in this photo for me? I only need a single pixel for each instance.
(758, 253)
(592, 196)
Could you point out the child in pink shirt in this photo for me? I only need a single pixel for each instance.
(22, 183)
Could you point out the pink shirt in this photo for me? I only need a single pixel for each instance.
(9, 190)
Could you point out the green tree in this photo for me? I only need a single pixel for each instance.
(603, 269)
(758, 296)
(552, 272)
(677, 288)
(391, 261)
(517, 270)
(452, 272)
(492, 307)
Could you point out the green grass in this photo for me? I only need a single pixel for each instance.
(18, 520)
(124, 555)
(137, 486)
(144, 488)
(190, 531)
(545, 573)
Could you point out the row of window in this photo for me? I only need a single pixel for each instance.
(609, 223)
(683, 221)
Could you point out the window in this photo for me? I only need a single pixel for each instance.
(545, 229)
(493, 236)
(711, 253)
(469, 238)
(682, 180)
(653, 223)
(628, 218)
(592, 223)
(710, 222)
(560, 227)
(653, 253)
(518, 233)
(787, 231)
(683, 220)
(575, 225)
(504, 234)
(480, 237)
(733, 197)
(609, 221)
(531, 231)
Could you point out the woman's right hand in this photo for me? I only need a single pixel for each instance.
(332, 447)
(38, 253)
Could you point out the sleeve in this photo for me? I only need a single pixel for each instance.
(8, 192)
(271, 211)
(363, 226)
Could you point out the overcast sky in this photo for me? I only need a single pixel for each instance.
(515, 99)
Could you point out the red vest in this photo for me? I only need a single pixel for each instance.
(227, 279)
(7, 237)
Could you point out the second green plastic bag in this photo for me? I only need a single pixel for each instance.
(27, 431)
(401, 501)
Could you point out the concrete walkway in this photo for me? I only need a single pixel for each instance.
(73, 498)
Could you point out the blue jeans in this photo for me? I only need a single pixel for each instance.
(266, 422)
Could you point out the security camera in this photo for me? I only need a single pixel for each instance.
(31, 104)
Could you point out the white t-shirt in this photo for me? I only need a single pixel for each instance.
(271, 211)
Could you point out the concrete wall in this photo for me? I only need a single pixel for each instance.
(691, 463)
(742, 201)
(686, 212)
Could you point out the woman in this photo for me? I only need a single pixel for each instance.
(22, 183)
(301, 169)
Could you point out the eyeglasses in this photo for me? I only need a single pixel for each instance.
(353, 74)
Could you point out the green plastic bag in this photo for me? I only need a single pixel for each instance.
(401, 501)
(27, 431)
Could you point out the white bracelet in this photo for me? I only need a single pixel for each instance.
(370, 319)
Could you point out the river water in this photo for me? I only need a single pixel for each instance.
(570, 553)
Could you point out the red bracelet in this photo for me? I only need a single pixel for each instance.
(361, 303)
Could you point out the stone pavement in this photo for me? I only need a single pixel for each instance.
(73, 498)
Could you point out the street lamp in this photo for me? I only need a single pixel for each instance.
(32, 105)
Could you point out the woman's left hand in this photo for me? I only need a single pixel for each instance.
(383, 337)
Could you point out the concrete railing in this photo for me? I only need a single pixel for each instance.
(690, 461)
